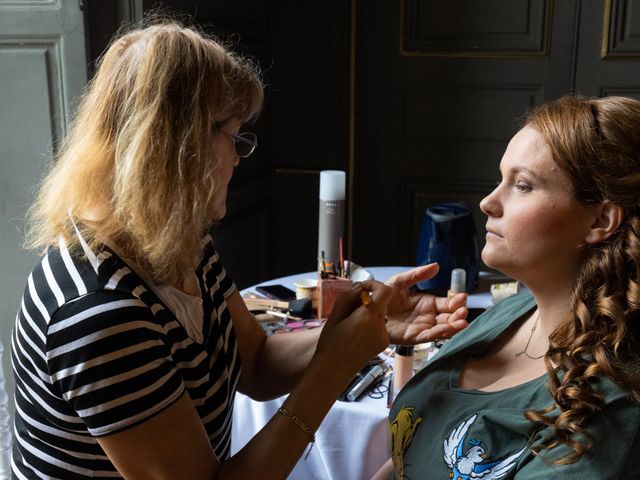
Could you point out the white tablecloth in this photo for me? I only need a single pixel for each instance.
(351, 443)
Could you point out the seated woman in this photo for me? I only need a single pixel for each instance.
(545, 384)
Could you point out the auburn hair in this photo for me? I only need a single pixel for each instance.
(140, 150)
(597, 143)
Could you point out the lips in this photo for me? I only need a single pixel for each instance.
(493, 233)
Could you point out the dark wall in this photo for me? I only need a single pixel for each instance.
(415, 99)
(441, 87)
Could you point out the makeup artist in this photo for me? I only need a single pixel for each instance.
(131, 339)
(546, 384)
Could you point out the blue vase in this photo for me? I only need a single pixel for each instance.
(448, 236)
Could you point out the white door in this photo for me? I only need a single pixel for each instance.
(43, 68)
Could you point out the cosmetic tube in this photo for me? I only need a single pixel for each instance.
(402, 367)
(368, 379)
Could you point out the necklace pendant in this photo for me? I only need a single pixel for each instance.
(519, 354)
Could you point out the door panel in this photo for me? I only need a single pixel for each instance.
(439, 91)
(470, 27)
(609, 54)
(42, 71)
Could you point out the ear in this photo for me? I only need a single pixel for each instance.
(608, 217)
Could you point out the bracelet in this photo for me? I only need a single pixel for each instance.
(301, 425)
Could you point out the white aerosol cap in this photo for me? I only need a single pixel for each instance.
(332, 185)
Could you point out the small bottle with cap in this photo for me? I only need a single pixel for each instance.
(402, 366)
(458, 281)
(458, 285)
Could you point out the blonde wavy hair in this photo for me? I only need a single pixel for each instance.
(141, 147)
(597, 143)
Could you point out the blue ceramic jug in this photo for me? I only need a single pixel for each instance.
(448, 236)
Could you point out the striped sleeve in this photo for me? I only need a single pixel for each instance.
(107, 357)
(214, 274)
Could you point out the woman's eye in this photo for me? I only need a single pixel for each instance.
(522, 186)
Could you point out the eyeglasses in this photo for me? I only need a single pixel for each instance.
(245, 143)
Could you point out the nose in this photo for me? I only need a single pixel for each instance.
(236, 160)
(490, 205)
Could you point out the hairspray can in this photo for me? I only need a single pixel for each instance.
(331, 219)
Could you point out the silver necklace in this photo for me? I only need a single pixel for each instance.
(524, 350)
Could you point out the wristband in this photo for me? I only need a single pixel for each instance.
(301, 425)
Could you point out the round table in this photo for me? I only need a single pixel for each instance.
(352, 442)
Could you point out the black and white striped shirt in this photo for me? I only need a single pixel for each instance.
(95, 351)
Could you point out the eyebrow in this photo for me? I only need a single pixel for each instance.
(518, 169)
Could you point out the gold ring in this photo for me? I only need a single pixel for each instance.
(365, 298)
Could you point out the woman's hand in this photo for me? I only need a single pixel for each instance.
(353, 331)
(421, 317)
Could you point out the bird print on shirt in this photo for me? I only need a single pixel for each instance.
(401, 431)
(467, 464)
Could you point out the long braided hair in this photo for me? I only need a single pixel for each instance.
(597, 143)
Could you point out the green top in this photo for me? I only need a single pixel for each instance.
(439, 430)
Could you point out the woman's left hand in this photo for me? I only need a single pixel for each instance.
(414, 317)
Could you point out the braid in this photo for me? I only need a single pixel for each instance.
(600, 340)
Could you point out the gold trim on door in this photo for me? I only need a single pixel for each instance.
(604, 51)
